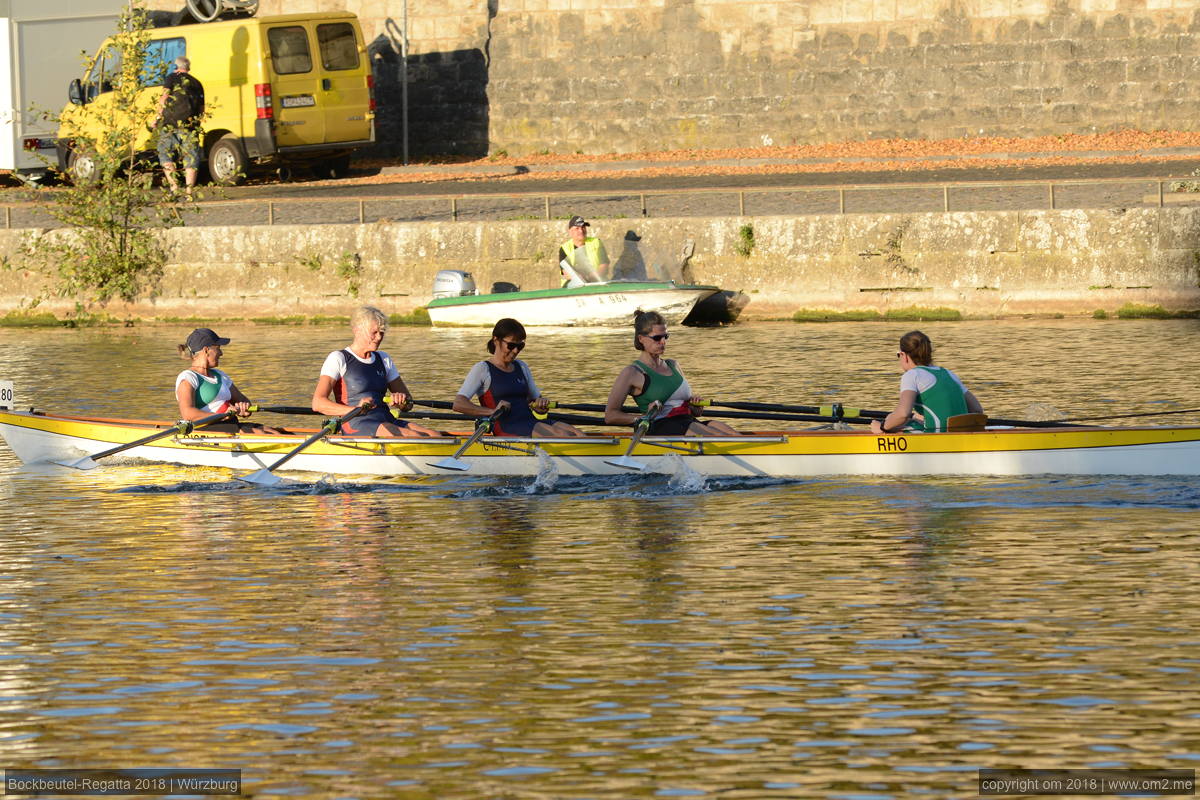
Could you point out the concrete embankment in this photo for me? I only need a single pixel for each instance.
(980, 264)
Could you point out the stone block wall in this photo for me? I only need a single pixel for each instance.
(981, 263)
(597, 76)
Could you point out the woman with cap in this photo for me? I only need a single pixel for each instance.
(581, 258)
(504, 381)
(203, 390)
(364, 375)
(652, 379)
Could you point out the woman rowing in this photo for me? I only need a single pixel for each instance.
(504, 381)
(652, 379)
(932, 394)
(364, 375)
(202, 390)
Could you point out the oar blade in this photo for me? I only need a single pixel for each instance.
(625, 462)
(80, 463)
(451, 463)
(263, 477)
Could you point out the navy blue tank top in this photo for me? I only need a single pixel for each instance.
(365, 380)
(513, 387)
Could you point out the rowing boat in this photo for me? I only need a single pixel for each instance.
(43, 437)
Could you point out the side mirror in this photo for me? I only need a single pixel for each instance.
(75, 92)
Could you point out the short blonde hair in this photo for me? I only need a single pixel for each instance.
(365, 315)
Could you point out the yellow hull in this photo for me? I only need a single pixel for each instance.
(36, 437)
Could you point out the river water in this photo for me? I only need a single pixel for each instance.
(605, 638)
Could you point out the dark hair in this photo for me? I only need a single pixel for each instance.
(185, 352)
(918, 347)
(505, 327)
(643, 321)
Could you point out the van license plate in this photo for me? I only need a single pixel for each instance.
(298, 101)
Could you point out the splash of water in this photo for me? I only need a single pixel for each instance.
(684, 479)
(547, 475)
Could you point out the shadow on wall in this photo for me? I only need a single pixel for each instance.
(447, 99)
(659, 261)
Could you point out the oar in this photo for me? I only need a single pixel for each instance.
(482, 426)
(843, 413)
(643, 425)
(826, 413)
(265, 476)
(183, 427)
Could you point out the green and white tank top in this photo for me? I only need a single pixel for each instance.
(670, 390)
(940, 395)
(210, 393)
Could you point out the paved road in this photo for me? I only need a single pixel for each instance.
(1006, 187)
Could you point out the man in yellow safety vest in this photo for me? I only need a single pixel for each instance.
(582, 258)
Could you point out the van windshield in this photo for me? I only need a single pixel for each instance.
(289, 50)
(339, 48)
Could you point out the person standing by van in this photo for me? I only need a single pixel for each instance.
(180, 109)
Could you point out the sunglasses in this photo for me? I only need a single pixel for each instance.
(518, 346)
(658, 337)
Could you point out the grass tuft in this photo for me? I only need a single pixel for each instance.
(418, 316)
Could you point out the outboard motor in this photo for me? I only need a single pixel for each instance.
(453, 283)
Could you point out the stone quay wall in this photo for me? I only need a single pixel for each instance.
(979, 263)
(601, 76)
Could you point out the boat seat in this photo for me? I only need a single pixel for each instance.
(964, 423)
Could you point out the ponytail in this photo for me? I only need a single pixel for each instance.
(918, 347)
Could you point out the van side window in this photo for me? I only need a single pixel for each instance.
(105, 72)
(339, 49)
(289, 50)
(160, 58)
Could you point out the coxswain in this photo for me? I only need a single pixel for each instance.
(929, 395)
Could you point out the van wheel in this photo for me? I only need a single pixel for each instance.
(227, 161)
(81, 166)
(204, 10)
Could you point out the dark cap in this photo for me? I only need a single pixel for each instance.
(577, 222)
(203, 337)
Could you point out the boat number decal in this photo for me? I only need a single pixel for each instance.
(6, 393)
(892, 444)
(584, 302)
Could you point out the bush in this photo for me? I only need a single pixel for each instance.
(111, 248)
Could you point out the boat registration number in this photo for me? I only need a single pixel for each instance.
(614, 299)
(6, 394)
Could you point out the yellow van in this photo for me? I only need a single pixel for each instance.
(279, 91)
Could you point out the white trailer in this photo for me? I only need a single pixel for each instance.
(42, 43)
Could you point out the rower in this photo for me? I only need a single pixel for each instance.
(651, 379)
(202, 390)
(364, 375)
(504, 381)
(929, 395)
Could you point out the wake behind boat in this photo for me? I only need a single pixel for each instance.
(43, 437)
